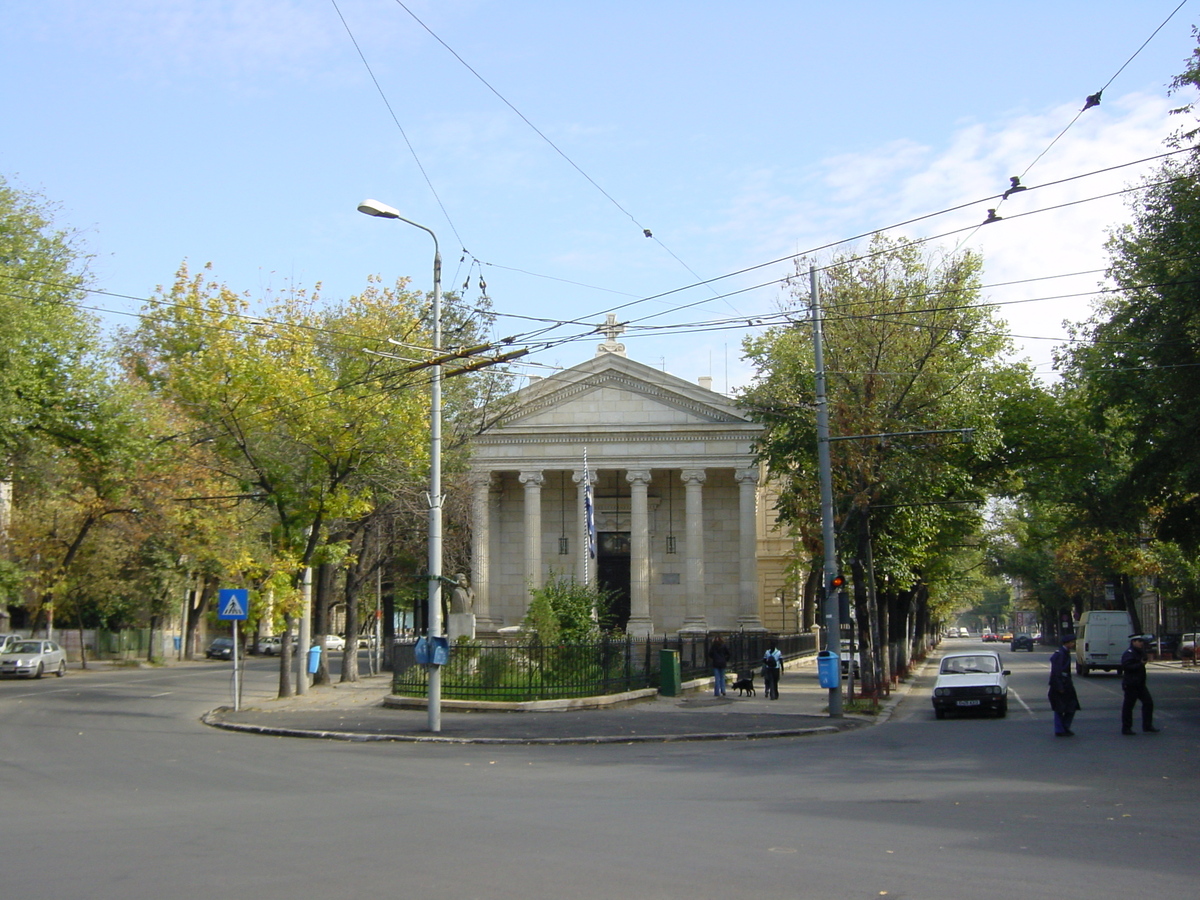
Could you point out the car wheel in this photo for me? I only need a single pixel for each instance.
(40, 670)
(62, 668)
(1002, 709)
(939, 713)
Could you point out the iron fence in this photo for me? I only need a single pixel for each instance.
(529, 669)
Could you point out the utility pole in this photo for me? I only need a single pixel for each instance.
(833, 630)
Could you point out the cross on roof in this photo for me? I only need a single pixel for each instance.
(610, 329)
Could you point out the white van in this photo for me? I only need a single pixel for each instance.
(1101, 638)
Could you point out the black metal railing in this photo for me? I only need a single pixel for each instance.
(528, 669)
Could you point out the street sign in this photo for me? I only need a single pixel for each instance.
(234, 604)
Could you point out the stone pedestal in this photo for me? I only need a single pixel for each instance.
(461, 625)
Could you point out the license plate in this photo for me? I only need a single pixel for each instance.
(967, 703)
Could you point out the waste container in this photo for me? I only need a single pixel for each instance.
(828, 673)
(670, 682)
(314, 658)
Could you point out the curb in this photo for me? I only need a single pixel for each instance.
(211, 718)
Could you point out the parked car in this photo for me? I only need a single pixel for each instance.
(33, 659)
(849, 659)
(271, 645)
(335, 642)
(1022, 642)
(1165, 644)
(971, 682)
(1187, 646)
(221, 648)
(6, 639)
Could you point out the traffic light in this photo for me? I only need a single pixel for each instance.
(837, 582)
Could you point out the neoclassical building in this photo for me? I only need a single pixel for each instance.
(680, 528)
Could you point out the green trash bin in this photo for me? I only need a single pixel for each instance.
(670, 677)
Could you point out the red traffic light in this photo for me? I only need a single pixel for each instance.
(837, 582)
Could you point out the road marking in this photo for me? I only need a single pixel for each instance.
(1024, 705)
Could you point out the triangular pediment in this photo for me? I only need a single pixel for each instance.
(615, 391)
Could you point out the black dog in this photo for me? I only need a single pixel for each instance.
(745, 685)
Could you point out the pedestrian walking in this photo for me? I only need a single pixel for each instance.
(1063, 699)
(718, 658)
(1133, 683)
(772, 667)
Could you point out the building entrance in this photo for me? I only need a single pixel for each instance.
(612, 572)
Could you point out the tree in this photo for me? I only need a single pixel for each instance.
(46, 340)
(1137, 370)
(909, 353)
(306, 407)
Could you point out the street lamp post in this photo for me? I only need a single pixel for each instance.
(434, 618)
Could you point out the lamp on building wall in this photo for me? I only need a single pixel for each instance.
(564, 543)
(670, 516)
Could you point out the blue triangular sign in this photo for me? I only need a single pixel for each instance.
(233, 603)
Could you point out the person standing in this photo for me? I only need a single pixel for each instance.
(772, 668)
(1133, 683)
(1063, 699)
(718, 658)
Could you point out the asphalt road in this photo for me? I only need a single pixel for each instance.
(110, 787)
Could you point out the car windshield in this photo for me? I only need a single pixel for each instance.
(962, 665)
(27, 647)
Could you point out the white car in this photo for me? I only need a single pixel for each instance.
(335, 642)
(971, 682)
(272, 645)
(6, 639)
(33, 658)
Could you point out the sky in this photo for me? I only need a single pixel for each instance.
(539, 140)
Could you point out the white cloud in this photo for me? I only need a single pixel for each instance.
(902, 180)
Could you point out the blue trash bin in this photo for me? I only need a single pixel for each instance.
(828, 670)
(314, 658)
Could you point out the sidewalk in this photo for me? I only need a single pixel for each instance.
(356, 712)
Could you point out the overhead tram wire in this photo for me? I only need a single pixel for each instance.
(866, 256)
(916, 241)
(396, 120)
(1092, 100)
(646, 232)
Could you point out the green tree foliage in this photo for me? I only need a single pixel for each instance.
(908, 350)
(564, 609)
(46, 341)
(1139, 370)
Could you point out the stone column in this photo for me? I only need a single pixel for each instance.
(533, 530)
(640, 622)
(748, 618)
(693, 485)
(585, 563)
(481, 550)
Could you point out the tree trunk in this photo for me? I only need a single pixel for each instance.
(285, 658)
(322, 600)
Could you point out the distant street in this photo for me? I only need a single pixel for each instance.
(112, 788)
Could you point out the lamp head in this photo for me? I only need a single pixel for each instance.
(375, 208)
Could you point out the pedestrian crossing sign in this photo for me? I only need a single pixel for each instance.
(233, 603)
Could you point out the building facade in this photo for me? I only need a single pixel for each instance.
(675, 491)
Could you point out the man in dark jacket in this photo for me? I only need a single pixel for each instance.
(1063, 699)
(1133, 683)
